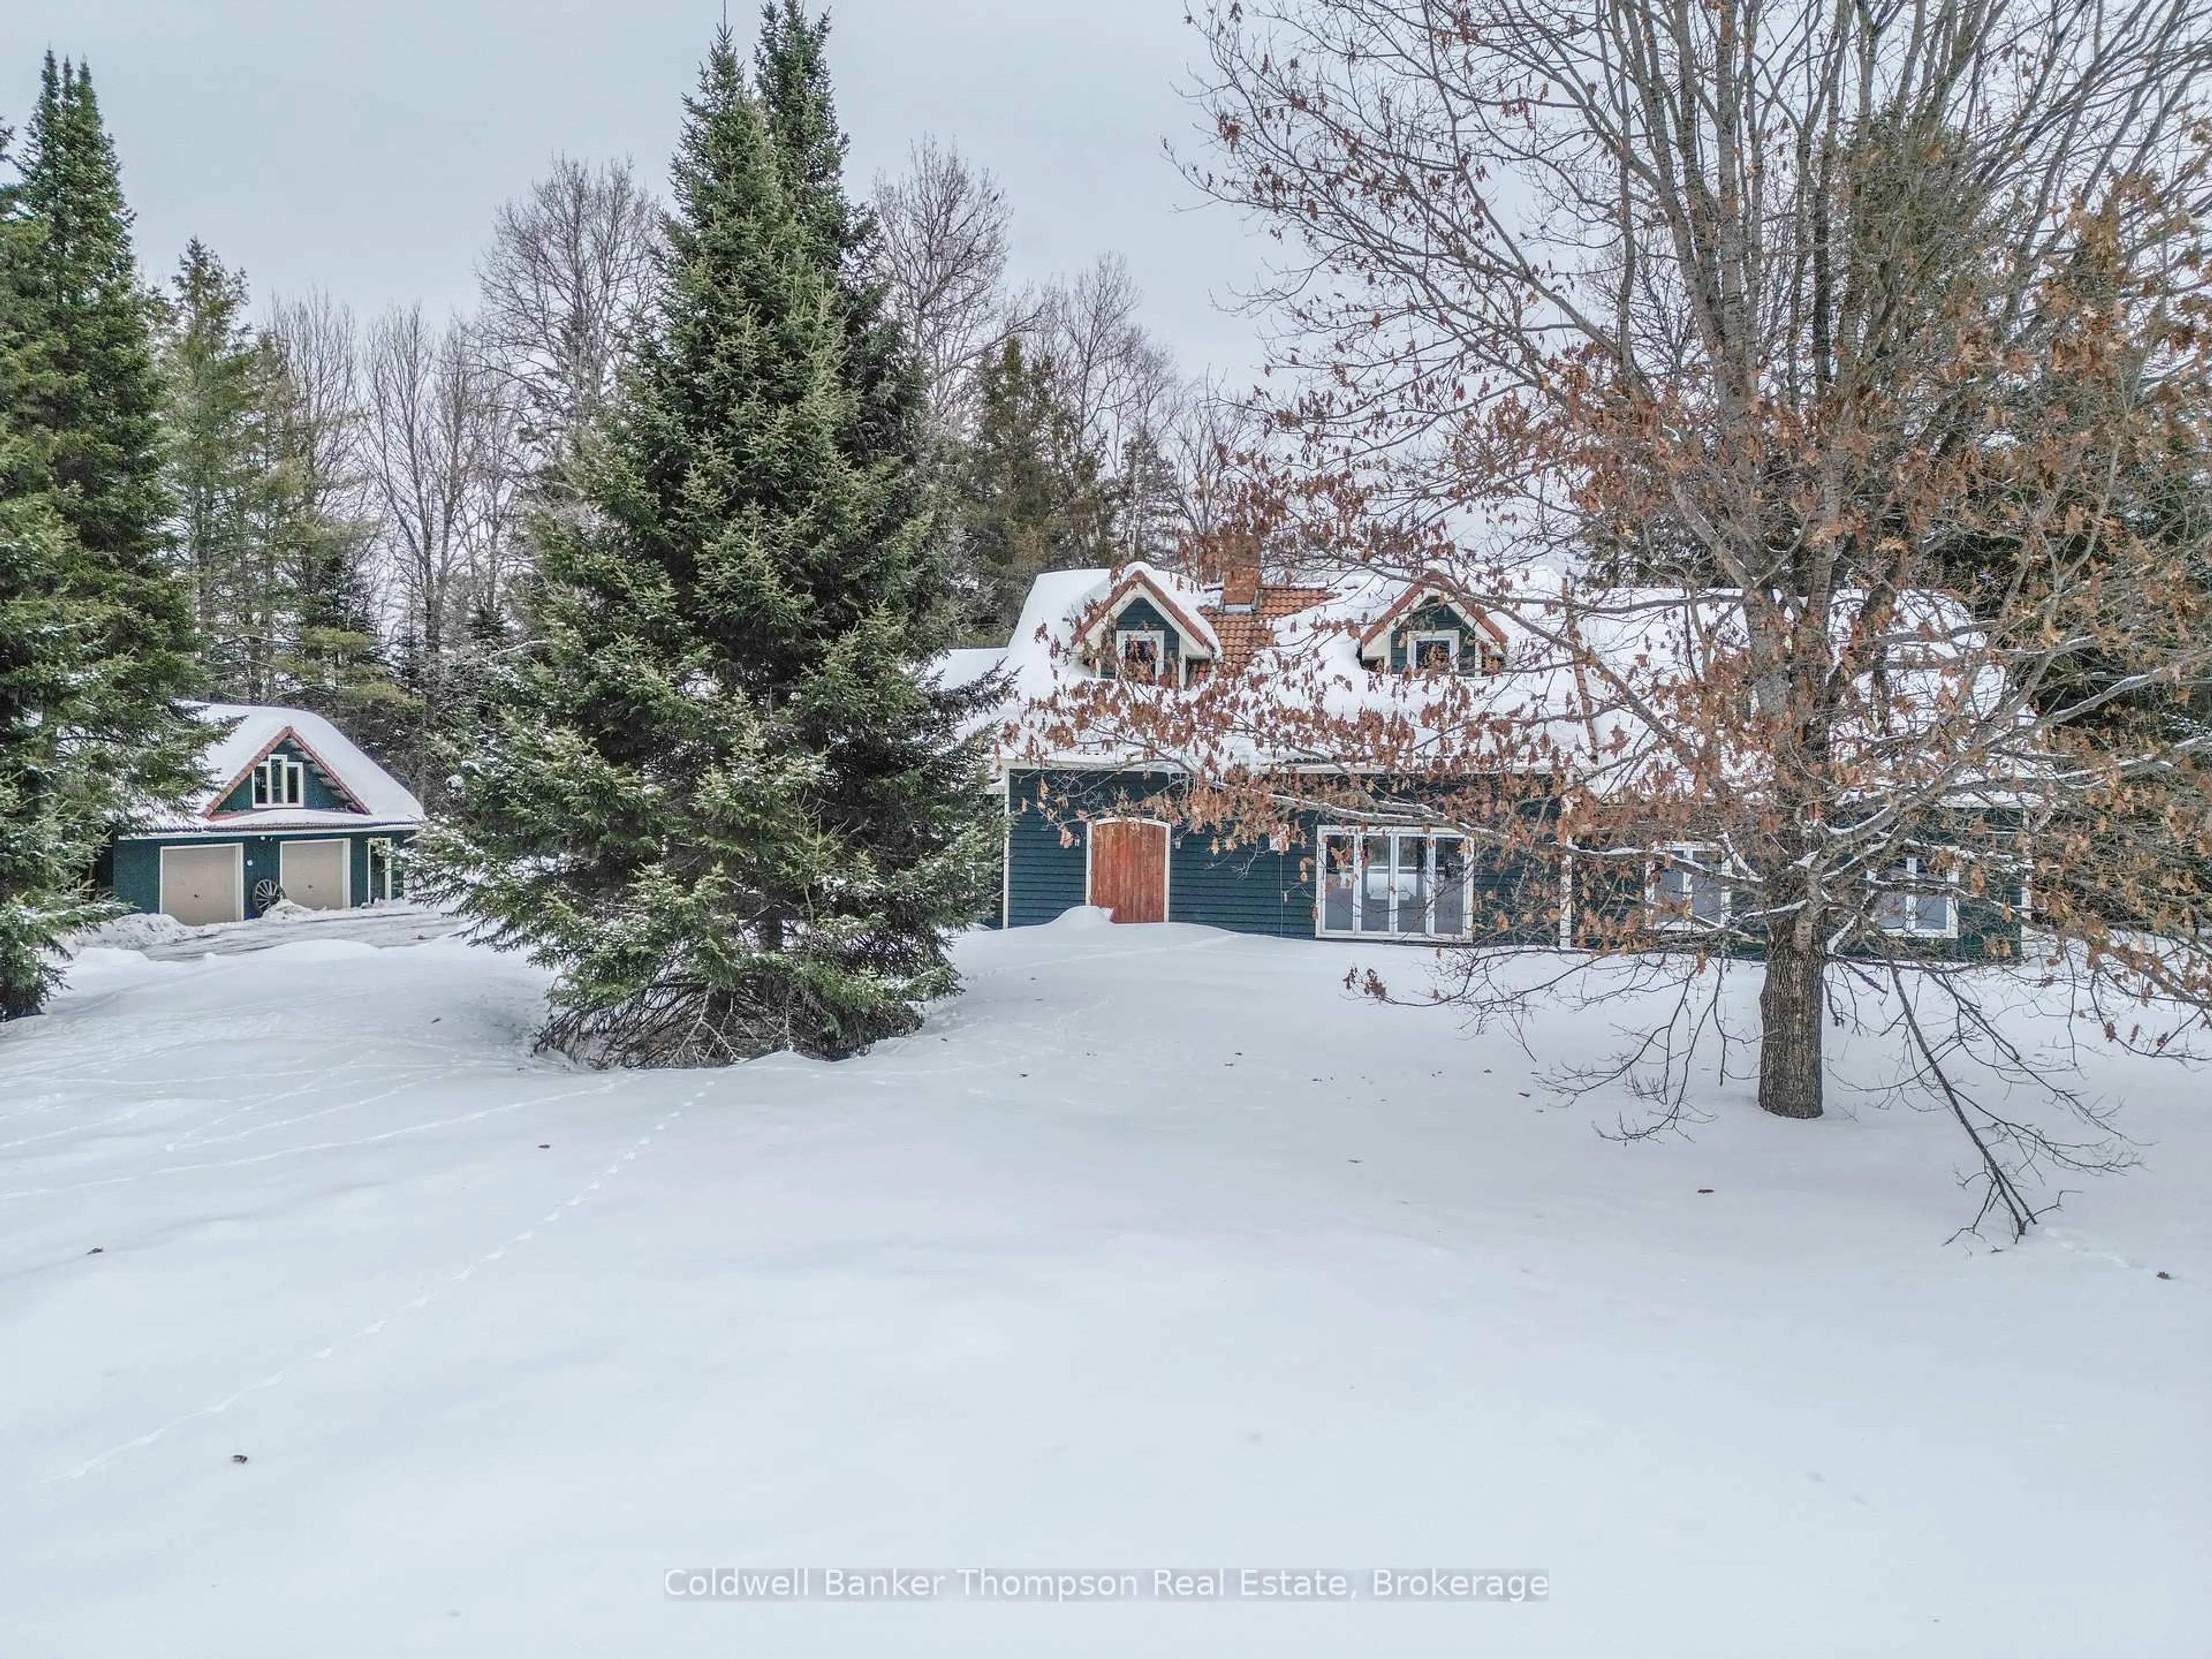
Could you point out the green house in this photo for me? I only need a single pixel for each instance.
(1094, 820)
(292, 810)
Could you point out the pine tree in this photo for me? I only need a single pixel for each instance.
(94, 634)
(50, 822)
(80, 388)
(1028, 492)
(220, 473)
(721, 799)
(326, 654)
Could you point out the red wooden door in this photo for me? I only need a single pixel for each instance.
(1129, 869)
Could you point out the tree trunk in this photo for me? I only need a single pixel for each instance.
(1791, 1010)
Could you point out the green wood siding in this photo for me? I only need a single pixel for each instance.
(1428, 617)
(1140, 613)
(1255, 888)
(319, 796)
(134, 867)
(1609, 893)
(1246, 887)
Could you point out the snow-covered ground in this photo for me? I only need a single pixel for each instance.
(1157, 1249)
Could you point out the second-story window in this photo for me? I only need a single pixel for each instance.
(1140, 655)
(278, 781)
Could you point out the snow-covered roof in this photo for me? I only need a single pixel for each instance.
(964, 665)
(1183, 602)
(1305, 670)
(246, 734)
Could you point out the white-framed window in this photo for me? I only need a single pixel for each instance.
(1687, 889)
(1917, 901)
(1140, 655)
(1394, 883)
(278, 781)
(383, 869)
(1432, 651)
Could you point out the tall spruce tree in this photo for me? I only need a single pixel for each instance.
(1030, 496)
(79, 385)
(97, 642)
(51, 821)
(723, 799)
(219, 472)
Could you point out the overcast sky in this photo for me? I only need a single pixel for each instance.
(362, 145)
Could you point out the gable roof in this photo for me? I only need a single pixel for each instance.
(287, 737)
(1180, 602)
(1428, 587)
(248, 733)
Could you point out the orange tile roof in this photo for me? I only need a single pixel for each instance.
(1243, 632)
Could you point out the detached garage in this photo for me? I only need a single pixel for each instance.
(292, 812)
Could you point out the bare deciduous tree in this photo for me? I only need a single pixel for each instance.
(1845, 371)
(438, 446)
(1114, 378)
(941, 252)
(568, 271)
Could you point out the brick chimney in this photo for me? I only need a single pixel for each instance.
(1240, 575)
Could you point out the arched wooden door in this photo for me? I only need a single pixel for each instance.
(1129, 868)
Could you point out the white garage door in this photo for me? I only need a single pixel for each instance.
(313, 873)
(200, 885)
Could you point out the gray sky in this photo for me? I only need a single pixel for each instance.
(362, 145)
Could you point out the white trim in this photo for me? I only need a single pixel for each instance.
(1006, 856)
(268, 795)
(391, 850)
(1166, 856)
(1703, 860)
(237, 880)
(343, 843)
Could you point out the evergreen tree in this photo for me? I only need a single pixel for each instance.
(220, 473)
(1029, 497)
(791, 69)
(95, 632)
(326, 654)
(52, 824)
(722, 798)
(80, 388)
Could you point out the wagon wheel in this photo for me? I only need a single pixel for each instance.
(266, 893)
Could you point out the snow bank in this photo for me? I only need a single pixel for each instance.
(131, 933)
(1161, 1251)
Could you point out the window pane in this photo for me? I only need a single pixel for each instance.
(1375, 887)
(1451, 885)
(1339, 883)
(1413, 884)
(1708, 899)
(1891, 910)
(1931, 913)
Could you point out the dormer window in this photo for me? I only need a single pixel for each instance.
(1433, 651)
(280, 782)
(1141, 654)
(1428, 632)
